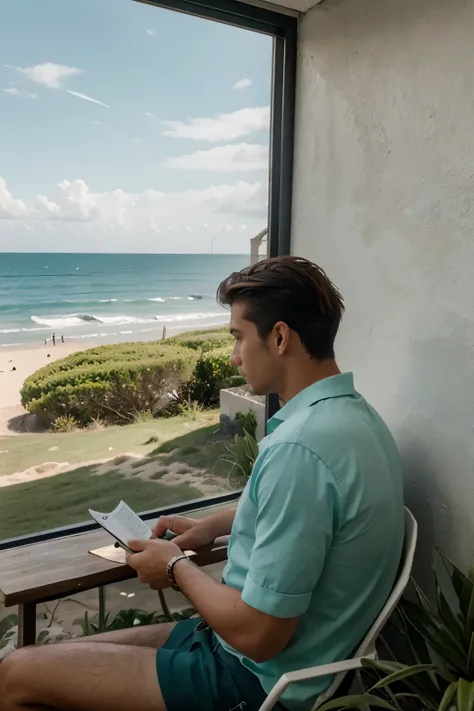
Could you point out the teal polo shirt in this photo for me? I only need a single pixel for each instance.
(319, 529)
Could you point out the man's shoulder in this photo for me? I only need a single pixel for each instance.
(344, 433)
(321, 424)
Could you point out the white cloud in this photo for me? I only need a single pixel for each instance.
(216, 207)
(150, 115)
(223, 127)
(14, 91)
(242, 84)
(97, 123)
(151, 32)
(226, 159)
(87, 98)
(49, 74)
(11, 208)
(46, 207)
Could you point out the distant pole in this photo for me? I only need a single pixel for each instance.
(212, 241)
(163, 335)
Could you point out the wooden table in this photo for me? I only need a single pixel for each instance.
(42, 572)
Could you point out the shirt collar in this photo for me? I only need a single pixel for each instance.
(336, 386)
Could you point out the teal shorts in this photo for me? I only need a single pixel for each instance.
(197, 674)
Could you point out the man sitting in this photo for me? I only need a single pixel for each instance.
(315, 540)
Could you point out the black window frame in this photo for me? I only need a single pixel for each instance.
(283, 28)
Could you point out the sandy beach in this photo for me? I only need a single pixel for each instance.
(25, 360)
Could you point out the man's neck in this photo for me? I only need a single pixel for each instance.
(301, 377)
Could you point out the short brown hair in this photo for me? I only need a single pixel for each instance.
(292, 290)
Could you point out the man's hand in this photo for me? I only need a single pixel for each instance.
(192, 534)
(150, 559)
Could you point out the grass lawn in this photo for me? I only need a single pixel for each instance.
(65, 499)
(202, 449)
(24, 451)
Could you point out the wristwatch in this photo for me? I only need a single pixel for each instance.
(170, 567)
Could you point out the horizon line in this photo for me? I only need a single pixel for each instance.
(146, 254)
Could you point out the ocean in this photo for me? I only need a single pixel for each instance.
(109, 297)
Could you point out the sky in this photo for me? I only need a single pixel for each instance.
(130, 128)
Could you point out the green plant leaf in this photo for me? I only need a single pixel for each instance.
(443, 576)
(470, 658)
(402, 674)
(426, 685)
(357, 701)
(470, 618)
(448, 696)
(436, 635)
(462, 584)
(423, 685)
(465, 695)
(7, 623)
(450, 619)
(382, 665)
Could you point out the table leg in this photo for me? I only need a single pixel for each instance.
(26, 624)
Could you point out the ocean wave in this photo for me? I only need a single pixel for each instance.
(20, 330)
(171, 318)
(163, 299)
(160, 299)
(64, 321)
(58, 323)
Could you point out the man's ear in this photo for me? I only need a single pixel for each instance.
(282, 336)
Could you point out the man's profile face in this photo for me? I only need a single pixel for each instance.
(251, 355)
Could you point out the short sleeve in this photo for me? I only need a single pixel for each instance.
(297, 500)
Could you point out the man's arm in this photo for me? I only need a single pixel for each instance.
(196, 533)
(297, 502)
(220, 523)
(252, 633)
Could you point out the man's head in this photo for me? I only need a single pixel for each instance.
(285, 314)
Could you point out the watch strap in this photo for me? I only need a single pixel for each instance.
(170, 572)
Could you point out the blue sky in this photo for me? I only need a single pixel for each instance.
(126, 127)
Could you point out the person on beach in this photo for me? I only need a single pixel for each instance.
(315, 541)
(54, 339)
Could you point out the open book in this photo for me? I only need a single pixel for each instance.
(123, 524)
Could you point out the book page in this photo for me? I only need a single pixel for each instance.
(123, 523)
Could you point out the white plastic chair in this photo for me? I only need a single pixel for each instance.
(367, 648)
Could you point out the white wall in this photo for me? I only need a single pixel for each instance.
(383, 200)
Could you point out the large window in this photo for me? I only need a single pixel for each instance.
(134, 176)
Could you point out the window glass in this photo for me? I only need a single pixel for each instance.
(133, 177)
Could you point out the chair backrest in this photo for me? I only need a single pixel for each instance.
(367, 646)
(411, 534)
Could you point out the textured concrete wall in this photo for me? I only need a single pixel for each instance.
(383, 200)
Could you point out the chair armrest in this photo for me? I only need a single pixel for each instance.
(310, 673)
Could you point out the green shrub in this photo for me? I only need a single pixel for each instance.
(111, 383)
(190, 410)
(248, 422)
(235, 381)
(213, 370)
(65, 423)
(203, 340)
(243, 454)
(212, 373)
